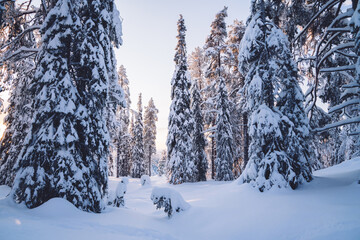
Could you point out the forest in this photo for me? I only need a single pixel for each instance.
(270, 105)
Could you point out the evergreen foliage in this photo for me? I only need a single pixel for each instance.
(123, 142)
(198, 138)
(17, 120)
(150, 119)
(234, 82)
(138, 160)
(262, 59)
(16, 72)
(214, 48)
(224, 137)
(162, 163)
(52, 164)
(179, 142)
(65, 153)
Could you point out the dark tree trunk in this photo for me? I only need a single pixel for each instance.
(118, 163)
(213, 156)
(149, 160)
(245, 139)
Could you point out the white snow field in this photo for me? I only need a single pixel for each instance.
(327, 208)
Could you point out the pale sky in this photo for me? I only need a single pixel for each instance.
(149, 35)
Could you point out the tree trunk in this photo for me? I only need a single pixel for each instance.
(118, 164)
(149, 160)
(213, 155)
(245, 139)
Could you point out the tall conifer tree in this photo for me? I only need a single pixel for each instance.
(123, 141)
(52, 164)
(224, 137)
(150, 119)
(179, 142)
(198, 138)
(262, 56)
(65, 153)
(214, 48)
(138, 158)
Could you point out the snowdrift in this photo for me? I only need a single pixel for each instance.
(327, 208)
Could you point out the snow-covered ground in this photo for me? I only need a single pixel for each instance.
(327, 208)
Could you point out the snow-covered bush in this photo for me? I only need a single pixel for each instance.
(145, 180)
(118, 199)
(169, 199)
(125, 180)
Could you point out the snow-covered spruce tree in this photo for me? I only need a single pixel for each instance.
(17, 64)
(123, 142)
(234, 82)
(179, 142)
(197, 64)
(112, 31)
(290, 102)
(224, 137)
(198, 138)
(52, 162)
(150, 119)
(94, 69)
(102, 31)
(17, 120)
(138, 160)
(162, 163)
(214, 48)
(261, 58)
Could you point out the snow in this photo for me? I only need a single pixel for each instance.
(145, 180)
(326, 208)
(170, 199)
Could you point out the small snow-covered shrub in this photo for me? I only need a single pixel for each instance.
(145, 180)
(169, 199)
(125, 180)
(118, 200)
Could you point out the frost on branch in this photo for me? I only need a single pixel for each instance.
(169, 199)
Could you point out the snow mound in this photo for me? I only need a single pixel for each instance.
(170, 199)
(4, 191)
(56, 207)
(344, 167)
(125, 180)
(145, 180)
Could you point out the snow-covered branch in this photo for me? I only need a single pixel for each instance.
(18, 52)
(344, 104)
(338, 124)
(338, 69)
(343, 29)
(329, 4)
(337, 48)
(22, 34)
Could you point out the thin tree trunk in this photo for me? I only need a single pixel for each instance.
(118, 164)
(213, 155)
(246, 139)
(149, 160)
